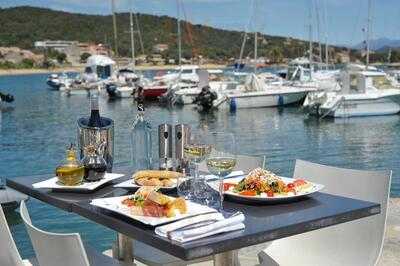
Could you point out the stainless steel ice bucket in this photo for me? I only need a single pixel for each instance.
(95, 136)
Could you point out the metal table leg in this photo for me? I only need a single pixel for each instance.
(123, 249)
(229, 258)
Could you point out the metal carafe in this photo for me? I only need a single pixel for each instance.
(96, 135)
(165, 146)
(182, 135)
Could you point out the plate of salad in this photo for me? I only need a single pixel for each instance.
(261, 185)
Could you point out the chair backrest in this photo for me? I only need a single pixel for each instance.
(55, 249)
(354, 243)
(9, 254)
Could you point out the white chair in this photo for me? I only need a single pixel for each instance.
(62, 249)
(9, 254)
(353, 243)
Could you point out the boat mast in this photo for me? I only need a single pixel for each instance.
(115, 27)
(132, 37)
(179, 33)
(245, 34)
(310, 48)
(318, 30)
(368, 31)
(326, 37)
(255, 38)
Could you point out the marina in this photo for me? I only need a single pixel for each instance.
(144, 133)
(364, 143)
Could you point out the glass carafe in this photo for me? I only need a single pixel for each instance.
(95, 165)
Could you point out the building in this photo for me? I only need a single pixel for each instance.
(73, 49)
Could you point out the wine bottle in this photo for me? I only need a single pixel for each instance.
(141, 158)
(95, 119)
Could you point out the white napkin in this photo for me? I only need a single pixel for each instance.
(176, 231)
(233, 174)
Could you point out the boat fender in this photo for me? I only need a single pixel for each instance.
(280, 100)
(232, 105)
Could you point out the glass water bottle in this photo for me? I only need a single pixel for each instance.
(141, 141)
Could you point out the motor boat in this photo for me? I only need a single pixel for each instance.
(256, 93)
(55, 81)
(123, 85)
(365, 92)
(5, 98)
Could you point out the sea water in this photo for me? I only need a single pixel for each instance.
(40, 124)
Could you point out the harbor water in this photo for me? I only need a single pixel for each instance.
(39, 125)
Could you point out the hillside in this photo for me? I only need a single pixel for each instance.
(21, 26)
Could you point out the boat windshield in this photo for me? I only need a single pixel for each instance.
(291, 72)
(381, 82)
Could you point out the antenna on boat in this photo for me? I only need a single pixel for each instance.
(179, 34)
(368, 32)
(115, 27)
(132, 36)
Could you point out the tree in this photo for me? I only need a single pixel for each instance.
(61, 58)
(84, 57)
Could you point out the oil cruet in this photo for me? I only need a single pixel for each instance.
(95, 165)
(71, 171)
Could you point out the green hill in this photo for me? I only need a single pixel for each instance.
(21, 26)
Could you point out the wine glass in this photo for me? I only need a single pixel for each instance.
(222, 159)
(195, 150)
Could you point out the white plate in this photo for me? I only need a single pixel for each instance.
(131, 185)
(53, 183)
(114, 204)
(260, 198)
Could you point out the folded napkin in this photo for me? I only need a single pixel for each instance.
(233, 174)
(201, 226)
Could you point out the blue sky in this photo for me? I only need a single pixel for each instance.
(345, 18)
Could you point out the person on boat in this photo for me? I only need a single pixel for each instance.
(205, 98)
(138, 94)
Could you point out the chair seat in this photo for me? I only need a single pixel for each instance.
(98, 259)
(30, 262)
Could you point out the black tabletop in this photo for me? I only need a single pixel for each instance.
(263, 222)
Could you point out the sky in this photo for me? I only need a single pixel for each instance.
(345, 19)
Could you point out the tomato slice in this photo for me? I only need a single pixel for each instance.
(248, 193)
(270, 193)
(290, 186)
(227, 186)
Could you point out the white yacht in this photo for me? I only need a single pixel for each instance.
(98, 70)
(123, 85)
(363, 93)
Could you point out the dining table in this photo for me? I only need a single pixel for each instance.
(263, 222)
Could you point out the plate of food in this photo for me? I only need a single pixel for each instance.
(261, 185)
(161, 179)
(151, 207)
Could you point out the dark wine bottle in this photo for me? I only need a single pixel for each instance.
(95, 119)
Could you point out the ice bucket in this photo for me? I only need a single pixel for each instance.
(95, 136)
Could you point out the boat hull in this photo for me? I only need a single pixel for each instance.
(365, 107)
(268, 100)
(152, 93)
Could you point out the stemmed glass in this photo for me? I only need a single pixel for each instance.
(222, 159)
(195, 151)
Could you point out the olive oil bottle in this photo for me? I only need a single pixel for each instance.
(71, 171)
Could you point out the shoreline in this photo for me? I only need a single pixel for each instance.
(28, 71)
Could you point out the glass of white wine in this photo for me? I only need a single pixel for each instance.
(222, 159)
(195, 151)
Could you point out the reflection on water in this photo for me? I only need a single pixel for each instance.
(35, 133)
